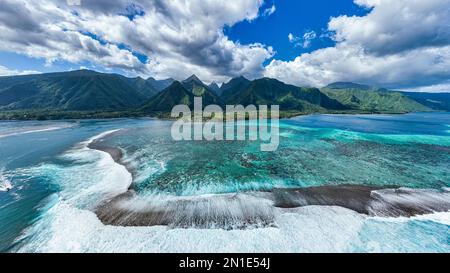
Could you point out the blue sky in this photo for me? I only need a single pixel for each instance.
(291, 16)
(296, 17)
(307, 43)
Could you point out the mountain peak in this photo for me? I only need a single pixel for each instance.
(160, 84)
(239, 79)
(193, 78)
(214, 85)
(234, 81)
(215, 88)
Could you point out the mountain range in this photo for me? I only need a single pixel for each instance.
(89, 91)
(81, 90)
(371, 99)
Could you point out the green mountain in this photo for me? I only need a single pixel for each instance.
(435, 101)
(90, 94)
(194, 85)
(181, 93)
(290, 98)
(174, 95)
(215, 88)
(369, 99)
(144, 87)
(73, 91)
(159, 85)
(234, 86)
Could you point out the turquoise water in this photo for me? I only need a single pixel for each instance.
(57, 182)
(313, 151)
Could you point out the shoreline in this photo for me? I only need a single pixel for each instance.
(66, 116)
(184, 212)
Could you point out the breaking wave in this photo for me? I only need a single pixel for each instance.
(34, 129)
(95, 212)
(5, 184)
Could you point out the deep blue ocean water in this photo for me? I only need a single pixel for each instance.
(56, 182)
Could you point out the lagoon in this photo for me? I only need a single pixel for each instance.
(220, 195)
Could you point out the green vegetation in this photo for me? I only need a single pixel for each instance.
(372, 100)
(59, 115)
(194, 85)
(174, 95)
(87, 94)
(74, 91)
(290, 98)
(233, 87)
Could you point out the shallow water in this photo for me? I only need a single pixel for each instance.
(57, 182)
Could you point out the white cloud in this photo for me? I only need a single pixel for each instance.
(270, 11)
(4, 71)
(351, 63)
(292, 38)
(396, 26)
(437, 88)
(304, 41)
(179, 37)
(44, 30)
(401, 43)
(307, 38)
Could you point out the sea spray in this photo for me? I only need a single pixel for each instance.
(301, 160)
(5, 184)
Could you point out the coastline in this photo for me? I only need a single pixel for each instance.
(64, 115)
(388, 202)
(114, 152)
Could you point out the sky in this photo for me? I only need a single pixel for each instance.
(397, 44)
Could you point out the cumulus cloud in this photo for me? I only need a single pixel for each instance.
(396, 26)
(401, 43)
(5, 71)
(397, 44)
(43, 30)
(352, 63)
(177, 37)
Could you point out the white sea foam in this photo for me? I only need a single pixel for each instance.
(35, 129)
(427, 200)
(69, 225)
(100, 136)
(5, 184)
(94, 177)
(438, 217)
(309, 229)
(66, 228)
(228, 211)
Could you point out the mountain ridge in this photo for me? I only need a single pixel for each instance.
(91, 91)
(80, 90)
(372, 99)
